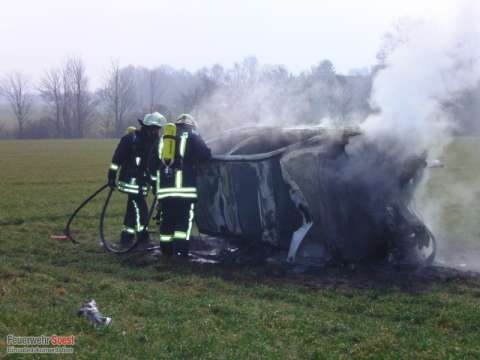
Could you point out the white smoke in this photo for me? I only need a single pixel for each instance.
(250, 94)
(430, 64)
(253, 100)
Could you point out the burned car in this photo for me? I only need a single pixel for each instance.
(304, 192)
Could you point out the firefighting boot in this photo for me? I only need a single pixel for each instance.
(182, 247)
(126, 239)
(144, 242)
(167, 248)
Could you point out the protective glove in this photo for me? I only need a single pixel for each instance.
(112, 176)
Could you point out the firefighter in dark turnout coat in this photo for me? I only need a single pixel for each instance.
(173, 171)
(131, 158)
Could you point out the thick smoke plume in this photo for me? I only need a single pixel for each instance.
(433, 63)
(430, 66)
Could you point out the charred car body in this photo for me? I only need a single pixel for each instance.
(304, 192)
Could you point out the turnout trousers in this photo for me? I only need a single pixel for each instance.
(136, 215)
(176, 220)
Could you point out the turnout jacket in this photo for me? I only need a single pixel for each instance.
(131, 158)
(179, 179)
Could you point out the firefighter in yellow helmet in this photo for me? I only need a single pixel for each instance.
(173, 169)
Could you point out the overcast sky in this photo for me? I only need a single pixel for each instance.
(35, 35)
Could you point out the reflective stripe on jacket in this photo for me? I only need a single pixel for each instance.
(131, 158)
(179, 179)
(173, 186)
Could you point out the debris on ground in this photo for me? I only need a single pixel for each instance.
(90, 311)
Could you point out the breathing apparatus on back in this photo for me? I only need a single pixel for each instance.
(166, 149)
(168, 143)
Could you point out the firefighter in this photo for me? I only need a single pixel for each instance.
(180, 150)
(131, 157)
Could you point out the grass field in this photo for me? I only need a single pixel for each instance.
(173, 309)
(452, 203)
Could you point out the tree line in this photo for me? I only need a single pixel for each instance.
(63, 105)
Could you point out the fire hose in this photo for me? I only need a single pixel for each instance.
(66, 231)
(106, 244)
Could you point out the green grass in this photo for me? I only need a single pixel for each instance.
(451, 203)
(173, 309)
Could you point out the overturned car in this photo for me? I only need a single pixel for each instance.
(308, 193)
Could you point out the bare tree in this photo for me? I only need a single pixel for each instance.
(15, 87)
(77, 95)
(152, 89)
(341, 100)
(67, 103)
(244, 76)
(51, 91)
(204, 86)
(119, 95)
(157, 82)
